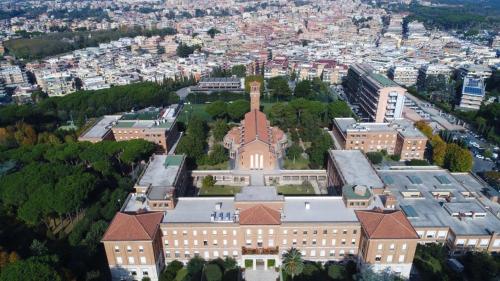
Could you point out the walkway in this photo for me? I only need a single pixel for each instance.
(174, 146)
(260, 275)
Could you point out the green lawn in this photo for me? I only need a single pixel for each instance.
(219, 190)
(290, 189)
(298, 164)
(191, 110)
(222, 166)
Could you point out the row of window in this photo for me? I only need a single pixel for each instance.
(260, 232)
(131, 260)
(392, 246)
(389, 259)
(259, 242)
(216, 254)
(140, 249)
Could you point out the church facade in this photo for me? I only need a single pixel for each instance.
(255, 144)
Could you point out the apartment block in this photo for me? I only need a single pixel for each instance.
(380, 98)
(399, 137)
(405, 75)
(157, 125)
(473, 93)
(232, 84)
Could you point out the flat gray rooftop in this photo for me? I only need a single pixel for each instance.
(161, 171)
(355, 168)
(101, 128)
(321, 209)
(350, 125)
(198, 209)
(258, 193)
(406, 128)
(429, 211)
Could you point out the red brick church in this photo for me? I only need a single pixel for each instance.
(255, 145)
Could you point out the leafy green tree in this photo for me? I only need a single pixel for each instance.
(184, 50)
(195, 265)
(230, 263)
(338, 109)
(29, 270)
(220, 129)
(479, 266)
(239, 70)
(212, 31)
(319, 149)
(438, 150)
(217, 109)
(237, 109)
(336, 272)
(279, 87)
(213, 272)
(458, 159)
(217, 155)
(171, 271)
(294, 152)
(293, 264)
(303, 89)
(375, 157)
(208, 181)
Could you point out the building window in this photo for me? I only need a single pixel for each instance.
(304, 242)
(143, 260)
(344, 231)
(343, 242)
(378, 258)
(177, 254)
(353, 241)
(284, 242)
(314, 241)
(129, 249)
(214, 242)
(401, 258)
(145, 273)
(117, 249)
(341, 253)
(249, 231)
(214, 232)
(380, 246)
(389, 258)
(119, 260)
(141, 249)
(392, 247)
(184, 232)
(205, 243)
(404, 246)
(355, 230)
(131, 260)
(295, 231)
(185, 242)
(325, 231)
(167, 254)
(304, 232)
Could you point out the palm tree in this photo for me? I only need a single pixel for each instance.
(293, 264)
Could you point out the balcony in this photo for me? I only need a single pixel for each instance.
(260, 251)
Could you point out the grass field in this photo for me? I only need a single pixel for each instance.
(219, 190)
(222, 166)
(300, 189)
(191, 110)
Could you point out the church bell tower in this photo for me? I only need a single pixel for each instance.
(254, 96)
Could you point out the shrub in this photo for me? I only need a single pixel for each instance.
(248, 263)
(375, 157)
(417, 162)
(213, 272)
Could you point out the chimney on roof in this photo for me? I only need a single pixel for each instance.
(307, 205)
(218, 205)
(254, 96)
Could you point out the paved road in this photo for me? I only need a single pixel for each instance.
(182, 93)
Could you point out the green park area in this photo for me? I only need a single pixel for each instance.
(219, 190)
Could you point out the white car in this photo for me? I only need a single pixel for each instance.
(479, 156)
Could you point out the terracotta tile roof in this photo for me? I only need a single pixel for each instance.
(380, 224)
(261, 215)
(256, 127)
(133, 227)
